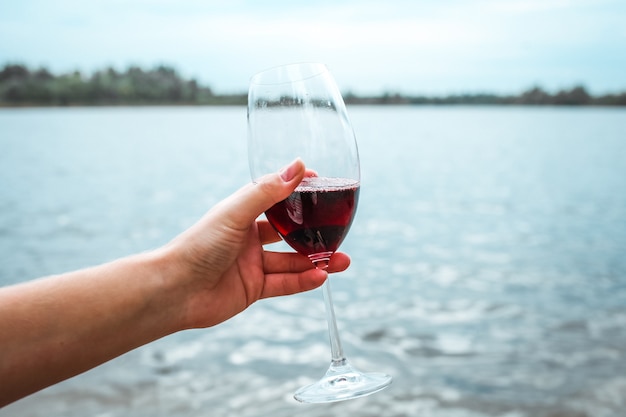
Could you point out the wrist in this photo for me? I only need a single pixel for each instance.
(165, 298)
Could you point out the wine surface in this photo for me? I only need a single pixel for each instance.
(316, 217)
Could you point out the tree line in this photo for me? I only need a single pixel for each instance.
(577, 96)
(21, 86)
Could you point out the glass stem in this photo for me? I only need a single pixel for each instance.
(338, 358)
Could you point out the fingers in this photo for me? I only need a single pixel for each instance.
(339, 262)
(292, 279)
(245, 205)
(267, 234)
(275, 262)
(287, 284)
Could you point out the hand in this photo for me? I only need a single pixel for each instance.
(59, 326)
(220, 261)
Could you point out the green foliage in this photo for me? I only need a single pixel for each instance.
(19, 86)
(577, 96)
(161, 85)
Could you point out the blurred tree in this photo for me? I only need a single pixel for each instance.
(534, 96)
(163, 85)
(577, 96)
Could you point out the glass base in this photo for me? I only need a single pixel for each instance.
(342, 382)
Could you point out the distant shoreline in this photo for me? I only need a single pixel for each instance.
(162, 86)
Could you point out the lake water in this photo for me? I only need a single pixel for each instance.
(488, 274)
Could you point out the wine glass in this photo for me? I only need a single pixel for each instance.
(296, 110)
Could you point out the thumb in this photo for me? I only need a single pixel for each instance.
(245, 205)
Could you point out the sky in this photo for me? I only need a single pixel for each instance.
(430, 47)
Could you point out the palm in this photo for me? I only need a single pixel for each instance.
(247, 273)
(231, 277)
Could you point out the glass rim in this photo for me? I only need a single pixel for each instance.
(317, 69)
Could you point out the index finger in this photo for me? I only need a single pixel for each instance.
(267, 233)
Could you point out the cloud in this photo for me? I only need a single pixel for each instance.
(449, 46)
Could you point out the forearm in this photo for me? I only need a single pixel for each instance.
(58, 327)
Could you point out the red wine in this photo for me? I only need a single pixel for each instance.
(316, 217)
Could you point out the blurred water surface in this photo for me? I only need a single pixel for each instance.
(488, 275)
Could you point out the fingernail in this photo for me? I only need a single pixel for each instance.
(289, 172)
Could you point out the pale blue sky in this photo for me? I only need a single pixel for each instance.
(410, 46)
